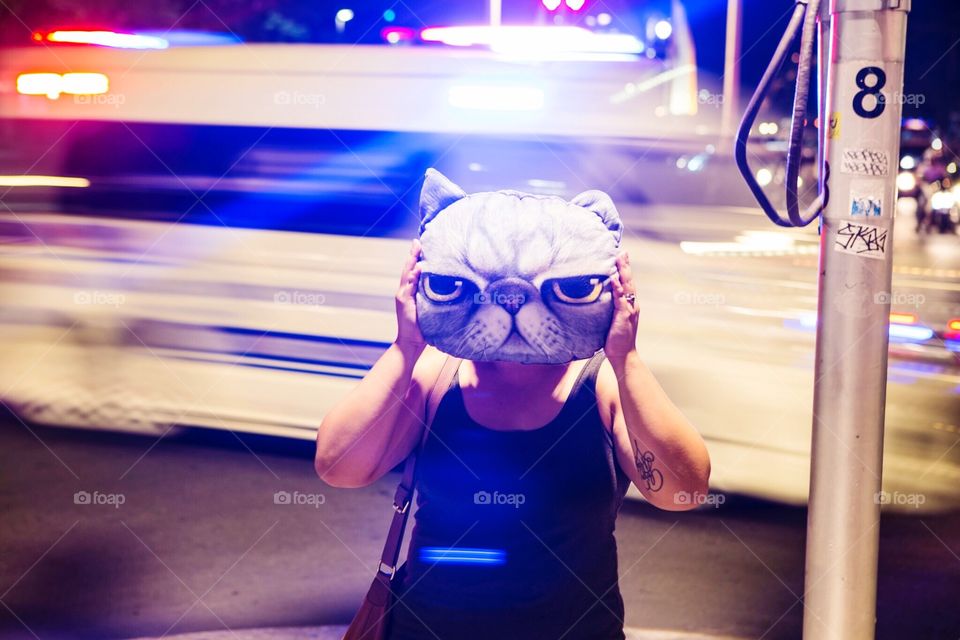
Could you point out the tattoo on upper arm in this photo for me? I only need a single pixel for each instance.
(648, 473)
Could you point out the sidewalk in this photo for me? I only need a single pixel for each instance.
(336, 633)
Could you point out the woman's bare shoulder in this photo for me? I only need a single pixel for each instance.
(427, 369)
(608, 393)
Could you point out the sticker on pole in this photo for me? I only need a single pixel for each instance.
(865, 162)
(866, 199)
(859, 239)
(835, 125)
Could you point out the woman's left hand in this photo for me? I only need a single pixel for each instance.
(622, 337)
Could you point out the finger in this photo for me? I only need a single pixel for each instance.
(626, 273)
(616, 283)
(410, 262)
(617, 290)
(623, 263)
(411, 281)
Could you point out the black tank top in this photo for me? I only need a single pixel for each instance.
(513, 535)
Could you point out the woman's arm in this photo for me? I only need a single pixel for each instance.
(381, 420)
(656, 445)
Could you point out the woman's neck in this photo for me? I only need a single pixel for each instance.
(518, 374)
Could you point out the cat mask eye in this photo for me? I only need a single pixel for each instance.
(514, 276)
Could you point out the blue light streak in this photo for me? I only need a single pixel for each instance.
(462, 555)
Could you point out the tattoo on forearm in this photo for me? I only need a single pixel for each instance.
(648, 473)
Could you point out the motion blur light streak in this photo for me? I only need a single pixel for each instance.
(556, 186)
(748, 243)
(898, 332)
(524, 40)
(952, 334)
(85, 83)
(39, 84)
(393, 35)
(910, 333)
(108, 39)
(636, 88)
(495, 98)
(53, 84)
(188, 38)
(462, 555)
(903, 318)
(43, 181)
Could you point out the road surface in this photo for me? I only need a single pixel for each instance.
(188, 537)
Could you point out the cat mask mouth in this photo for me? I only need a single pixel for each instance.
(515, 276)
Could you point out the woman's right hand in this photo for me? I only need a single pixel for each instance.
(369, 432)
(408, 331)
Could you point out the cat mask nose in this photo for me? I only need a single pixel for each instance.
(510, 293)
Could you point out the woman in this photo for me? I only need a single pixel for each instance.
(520, 479)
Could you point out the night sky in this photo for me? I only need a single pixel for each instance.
(933, 47)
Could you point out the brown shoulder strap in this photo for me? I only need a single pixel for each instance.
(404, 493)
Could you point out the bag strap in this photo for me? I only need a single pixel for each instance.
(404, 494)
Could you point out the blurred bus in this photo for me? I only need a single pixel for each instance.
(211, 236)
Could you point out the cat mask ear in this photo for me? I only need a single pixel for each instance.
(437, 194)
(601, 204)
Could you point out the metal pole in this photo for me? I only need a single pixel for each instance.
(496, 11)
(731, 74)
(865, 58)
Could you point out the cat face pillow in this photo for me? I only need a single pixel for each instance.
(515, 276)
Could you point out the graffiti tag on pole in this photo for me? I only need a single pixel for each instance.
(865, 162)
(861, 240)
